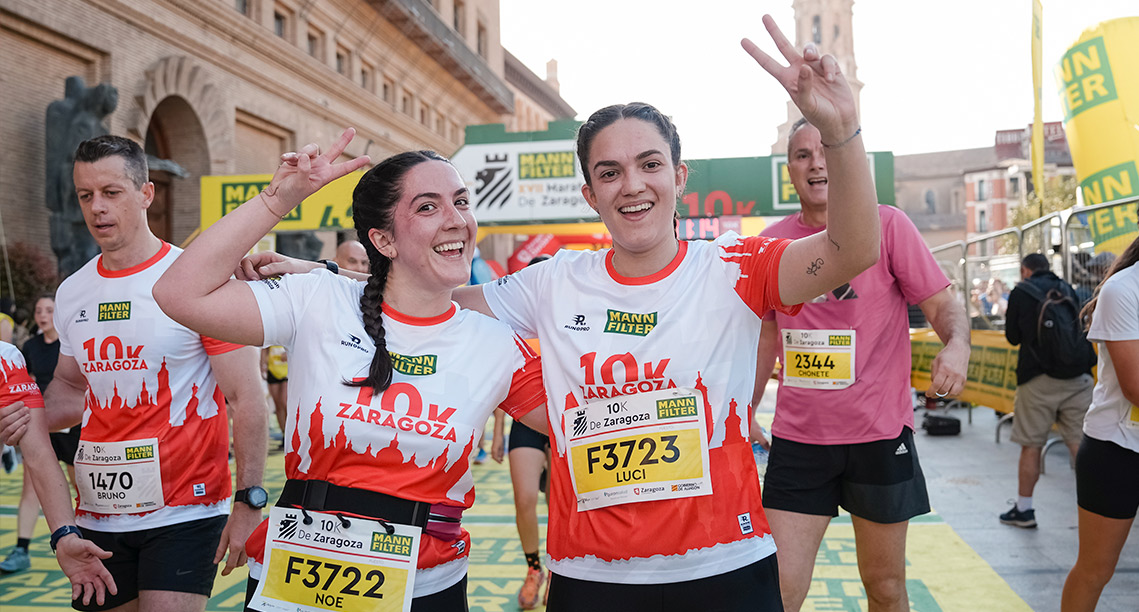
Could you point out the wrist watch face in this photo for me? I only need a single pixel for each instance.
(255, 497)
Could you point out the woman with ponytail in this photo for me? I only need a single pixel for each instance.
(1107, 464)
(389, 382)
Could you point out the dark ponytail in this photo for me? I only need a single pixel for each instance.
(373, 204)
(1126, 260)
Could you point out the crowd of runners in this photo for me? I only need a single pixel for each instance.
(394, 371)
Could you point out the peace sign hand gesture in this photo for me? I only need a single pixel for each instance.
(815, 83)
(303, 173)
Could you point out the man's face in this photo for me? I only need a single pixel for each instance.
(351, 255)
(808, 167)
(114, 209)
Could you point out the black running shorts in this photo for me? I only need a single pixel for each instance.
(879, 481)
(752, 588)
(1107, 479)
(176, 558)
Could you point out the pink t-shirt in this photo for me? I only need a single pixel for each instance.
(878, 404)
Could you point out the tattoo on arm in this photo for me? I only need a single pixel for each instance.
(836, 247)
(813, 269)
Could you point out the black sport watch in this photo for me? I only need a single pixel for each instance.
(254, 497)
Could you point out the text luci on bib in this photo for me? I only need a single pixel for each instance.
(640, 447)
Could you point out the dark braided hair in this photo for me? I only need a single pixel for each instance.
(610, 115)
(373, 202)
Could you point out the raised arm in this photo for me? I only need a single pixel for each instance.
(197, 290)
(816, 264)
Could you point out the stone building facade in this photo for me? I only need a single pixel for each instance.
(226, 86)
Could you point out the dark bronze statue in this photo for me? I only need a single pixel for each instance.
(80, 115)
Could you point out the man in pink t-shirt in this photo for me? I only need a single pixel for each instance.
(843, 429)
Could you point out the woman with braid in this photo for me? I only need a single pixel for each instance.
(390, 382)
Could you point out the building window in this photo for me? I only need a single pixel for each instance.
(439, 125)
(982, 190)
(280, 23)
(1014, 186)
(405, 104)
(459, 18)
(242, 6)
(342, 61)
(982, 224)
(817, 29)
(387, 89)
(367, 77)
(482, 42)
(930, 201)
(424, 113)
(316, 44)
(836, 32)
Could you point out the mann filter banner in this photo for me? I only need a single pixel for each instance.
(535, 177)
(328, 209)
(991, 377)
(1098, 81)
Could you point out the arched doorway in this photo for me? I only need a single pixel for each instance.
(175, 134)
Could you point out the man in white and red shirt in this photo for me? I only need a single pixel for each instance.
(843, 429)
(152, 466)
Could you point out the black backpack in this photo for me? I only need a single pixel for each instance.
(1064, 350)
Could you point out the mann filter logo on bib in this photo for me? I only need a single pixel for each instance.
(391, 544)
(630, 323)
(114, 311)
(414, 365)
(839, 340)
(140, 452)
(676, 407)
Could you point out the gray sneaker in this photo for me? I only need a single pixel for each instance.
(17, 561)
(1019, 518)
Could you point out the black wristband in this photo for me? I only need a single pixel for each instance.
(63, 532)
(331, 265)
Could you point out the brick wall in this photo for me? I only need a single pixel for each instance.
(240, 93)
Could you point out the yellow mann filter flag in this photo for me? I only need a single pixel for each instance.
(1037, 122)
(1098, 80)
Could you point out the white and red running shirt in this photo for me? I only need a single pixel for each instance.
(147, 378)
(879, 403)
(693, 324)
(1112, 417)
(413, 440)
(16, 384)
